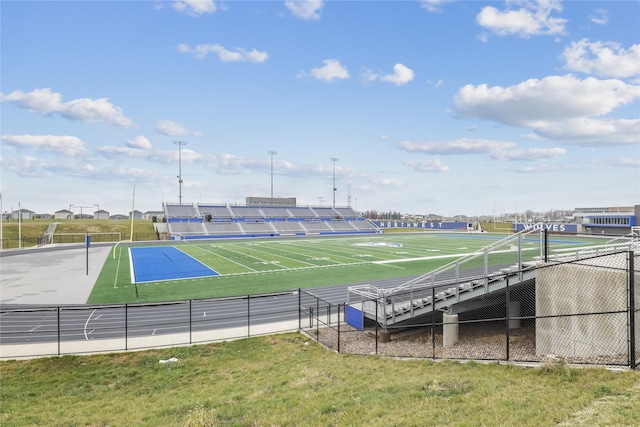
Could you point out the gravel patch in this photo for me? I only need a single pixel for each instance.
(477, 341)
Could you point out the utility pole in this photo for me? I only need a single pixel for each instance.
(272, 153)
(334, 160)
(180, 144)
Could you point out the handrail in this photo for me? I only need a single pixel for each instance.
(516, 236)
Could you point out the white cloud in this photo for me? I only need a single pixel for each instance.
(456, 147)
(624, 162)
(427, 165)
(593, 132)
(33, 167)
(62, 144)
(305, 9)
(435, 6)
(600, 17)
(557, 107)
(195, 7)
(533, 18)
(401, 75)
(171, 128)
(111, 152)
(201, 51)
(87, 110)
(603, 59)
(331, 70)
(530, 154)
(541, 168)
(139, 142)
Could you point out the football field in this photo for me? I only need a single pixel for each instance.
(218, 268)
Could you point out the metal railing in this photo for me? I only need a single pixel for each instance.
(585, 311)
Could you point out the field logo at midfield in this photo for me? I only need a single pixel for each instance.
(380, 244)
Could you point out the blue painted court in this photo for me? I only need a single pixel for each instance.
(153, 264)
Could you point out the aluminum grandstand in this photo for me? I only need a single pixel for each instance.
(205, 221)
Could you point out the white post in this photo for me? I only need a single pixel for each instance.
(450, 330)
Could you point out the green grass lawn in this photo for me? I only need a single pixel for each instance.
(254, 266)
(289, 380)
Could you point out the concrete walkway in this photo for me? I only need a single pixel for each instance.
(52, 275)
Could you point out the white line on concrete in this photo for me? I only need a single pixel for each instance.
(87, 323)
(33, 329)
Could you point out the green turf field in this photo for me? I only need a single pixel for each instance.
(254, 266)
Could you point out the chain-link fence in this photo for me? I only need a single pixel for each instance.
(42, 331)
(582, 310)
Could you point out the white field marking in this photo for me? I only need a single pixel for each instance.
(133, 274)
(282, 256)
(230, 260)
(115, 280)
(33, 329)
(251, 256)
(99, 316)
(303, 251)
(424, 258)
(87, 324)
(195, 259)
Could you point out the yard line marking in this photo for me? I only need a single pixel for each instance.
(230, 260)
(282, 256)
(254, 257)
(87, 323)
(115, 280)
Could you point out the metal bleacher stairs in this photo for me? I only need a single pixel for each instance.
(445, 290)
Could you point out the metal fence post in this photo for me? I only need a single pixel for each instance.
(126, 326)
(248, 315)
(508, 315)
(299, 309)
(433, 322)
(377, 304)
(632, 312)
(58, 330)
(339, 327)
(545, 245)
(190, 323)
(317, 319)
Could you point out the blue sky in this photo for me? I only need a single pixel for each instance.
(447, 107)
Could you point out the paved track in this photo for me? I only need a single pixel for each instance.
(40, 279)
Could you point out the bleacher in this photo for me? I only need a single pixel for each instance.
(203, 221)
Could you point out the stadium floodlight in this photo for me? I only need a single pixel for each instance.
(272, 153)
(180, 144)
(334, 160)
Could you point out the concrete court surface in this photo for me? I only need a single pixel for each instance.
(50, 275)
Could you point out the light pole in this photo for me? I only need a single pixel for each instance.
(180, 144)
(334, 160)
(272, 153)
